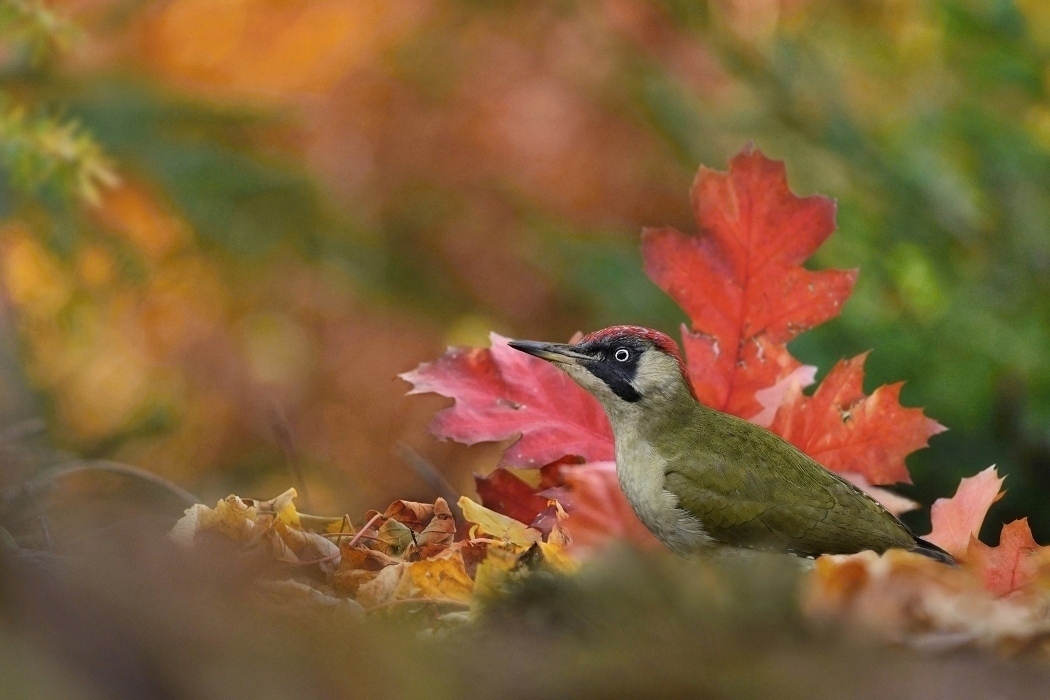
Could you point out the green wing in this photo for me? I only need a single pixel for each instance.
(759, 492)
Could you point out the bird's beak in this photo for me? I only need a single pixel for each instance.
(553, 352)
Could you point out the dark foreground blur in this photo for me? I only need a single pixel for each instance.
(142, 618)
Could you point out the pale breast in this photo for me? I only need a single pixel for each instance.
(640, 471)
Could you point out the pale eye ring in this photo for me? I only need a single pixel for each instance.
(622, 355)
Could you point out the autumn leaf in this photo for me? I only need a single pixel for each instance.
(849, 432)
(282, 507)
(494, 572)
(409, 513)
(551, 522)
(501, 393)
(395, 565)
(741, 280)
(440, 532)
(497, 525)
(389, 584)
(442, 578)
(294, 545)
(1012, 565)
(393, 537)
(599, 510)
(231, 517)
(908, 599)
(505, 493)
(957, 519)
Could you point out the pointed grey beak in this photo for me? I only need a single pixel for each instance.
(553, 352)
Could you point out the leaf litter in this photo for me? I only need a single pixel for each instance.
(411, 555)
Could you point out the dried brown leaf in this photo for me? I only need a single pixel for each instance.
(393, 538)
(410, 513)
(388, 585)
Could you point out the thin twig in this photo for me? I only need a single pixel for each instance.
(346, 534)
(314, 522)
(45, 531)
(282, 432)
(104, 465)
(361, 532)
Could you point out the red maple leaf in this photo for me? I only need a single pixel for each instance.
(505, 493)
(849, 432)
(957, 519)
(501, 393)
(741, 281)
(1013, 564)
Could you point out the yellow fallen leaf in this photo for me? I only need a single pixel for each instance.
(442, 578)
(231, 517)
(497, 525)
(556, 558)
(494, 571)
(284, 508)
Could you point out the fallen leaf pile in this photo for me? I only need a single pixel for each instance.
(999, 597)
(742, 283)
(411, 554)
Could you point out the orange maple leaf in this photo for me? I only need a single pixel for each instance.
(849, 432)
(958, 519)
(1013, 564)
(741, 281)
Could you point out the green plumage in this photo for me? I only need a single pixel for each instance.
(701, 479)
(749, 488)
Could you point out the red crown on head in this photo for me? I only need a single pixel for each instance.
(660, 341)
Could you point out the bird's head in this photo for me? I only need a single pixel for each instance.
(625, 367)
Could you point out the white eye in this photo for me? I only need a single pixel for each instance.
(622, 355)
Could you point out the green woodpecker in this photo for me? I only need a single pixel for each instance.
(703, 480)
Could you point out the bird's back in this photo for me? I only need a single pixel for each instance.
(749, 488)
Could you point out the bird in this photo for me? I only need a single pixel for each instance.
(704, 481)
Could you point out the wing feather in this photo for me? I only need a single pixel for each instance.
(783, 501)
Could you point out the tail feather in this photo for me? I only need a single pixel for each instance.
(928, 549)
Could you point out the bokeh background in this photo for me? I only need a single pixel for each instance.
(226, 225)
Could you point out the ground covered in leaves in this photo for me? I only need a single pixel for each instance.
(151, 617)
(414, 557)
